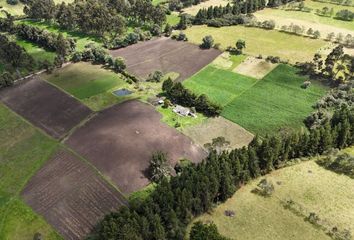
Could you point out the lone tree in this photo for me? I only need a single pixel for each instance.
(240, 45)
(208, 42)
(119, 65)
(159, 167)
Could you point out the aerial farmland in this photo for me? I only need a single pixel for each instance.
(175, 119)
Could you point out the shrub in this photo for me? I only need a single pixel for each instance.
(12, 2)
(208, 42)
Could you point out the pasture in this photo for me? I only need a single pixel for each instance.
(45, 106)
(71, 195)
(275, 102)
(92, 84)
(309, 19)
(23, 150)
(221, 86)
(315, 189)
(260, 41)
(125, 137)
(227, 61)
(212, 128)
(193, 10)
(165, 55)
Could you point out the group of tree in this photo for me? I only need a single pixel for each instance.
(170, 208)
(266, 24)
(101, 18)
(13, 58)
(339, 163)
(202, 231)
(178, 94)
(337, 68)
(239, 46)
(300, 30)
(98, 55)
(229, 14)
(339, 2)
(347, 40)
(345, 15)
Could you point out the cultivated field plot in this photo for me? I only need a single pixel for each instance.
(323, 192)
(260, 41)
(275, 102)
(120, 141)
(254, 67)
(219, 127)
(92, 84)
(70, 195)
(166, 55)
(221, 86)
(45, 106)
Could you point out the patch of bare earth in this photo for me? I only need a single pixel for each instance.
(254, 67)
(71, 196)
(165, 55)
(120, 141)
(219, 127)
(45, 106)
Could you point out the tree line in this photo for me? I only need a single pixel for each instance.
(170, 208)
(178, 94)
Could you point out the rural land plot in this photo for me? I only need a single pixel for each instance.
(71, 195)
(260, 41)
(45, 106)
(321, 23)
(254, 67)
(212, 128)
(307, 184)
(120, 141)
(165, 55)
(221, 86)
(275, 102)
(23, 150)
(92, 84)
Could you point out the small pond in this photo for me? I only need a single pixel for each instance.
(122, 92)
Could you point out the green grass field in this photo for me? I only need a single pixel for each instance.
(260, 41)
(81, 39)
(172, 19)
(23, 150)
(311, 17)
(221, 86)
(39, 54)
(307, 184)
(277, 101)
(90, 83)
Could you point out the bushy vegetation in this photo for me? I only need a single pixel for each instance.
(178, 94)
(166, 212)
(340, 163)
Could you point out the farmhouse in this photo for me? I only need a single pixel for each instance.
(183, 111)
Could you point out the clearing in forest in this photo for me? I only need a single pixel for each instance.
(275, 102)
(70, 195)
(308, 185)
(45, 106)
(120, 141)
(212, 128)
(165, 55)
(255, 67)
(193, 10)
(260, 41)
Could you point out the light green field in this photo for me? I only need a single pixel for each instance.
(275, 102)
(81, 39)
(172, 19)
(307, 184)
(39, 54)
(221, 86)
(226, 61)
(90, 83)
(260, 41)
(23, 150)
(311, 17)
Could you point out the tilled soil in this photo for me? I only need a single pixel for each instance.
(71, 196)
(120, 141)
(45, 106)
(166, 55)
